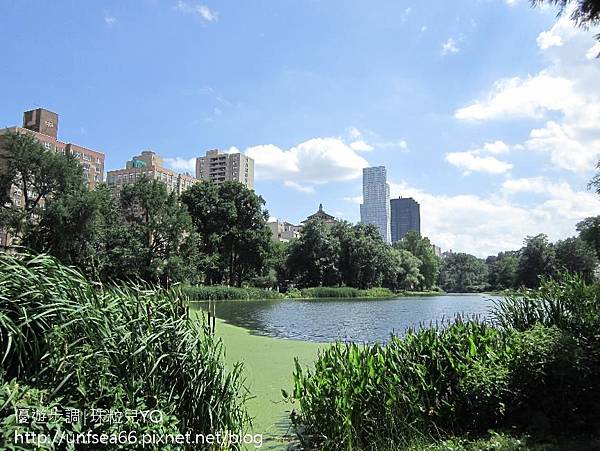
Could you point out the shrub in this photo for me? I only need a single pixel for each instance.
(373, 397)
(537, 368)
(134, 348)
(293, 293)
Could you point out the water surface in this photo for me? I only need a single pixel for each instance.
(357, 320)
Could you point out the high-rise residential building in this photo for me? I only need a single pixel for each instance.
(43, 125)
(405, 216)
(218, 167)
(375, 208)
(150, 165)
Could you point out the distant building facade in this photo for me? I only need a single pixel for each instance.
(405, 216)
(150, 165)
(284, 231)
(375, 208)
(320, 215)
(218, 167)
(42, 124)
(437, 251)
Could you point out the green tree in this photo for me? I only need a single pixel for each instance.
(585, 14)
(160, 232)
(462, 272)
(364, 256)
(422, 248)
(537, 259)
(404, 271)
(36, 175)
(73, 226)
(502, 270)
(232, 224)
(314, 258)
(589, 231)
(576, 256)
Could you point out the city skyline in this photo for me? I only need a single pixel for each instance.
(493, 133)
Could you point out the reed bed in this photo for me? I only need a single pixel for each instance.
(133, 347)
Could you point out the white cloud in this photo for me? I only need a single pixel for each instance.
(484, 225)
(202, 11)
(471, 161)
(423, 28)
(547, 39)
(481, 160)
(400, 144)
(449, 47)
(299, 187)
(182, 164)
(318, 160)
(361, 146)
(109, 19)
(523, 97)
(564, 95)
(511, 2)
(496, 147)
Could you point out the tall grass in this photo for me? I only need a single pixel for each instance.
(225, 293)
(345, 292)
(132, 347)
(568, 303)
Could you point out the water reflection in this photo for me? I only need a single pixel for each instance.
(357, 320)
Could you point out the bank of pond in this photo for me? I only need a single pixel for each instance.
(228, 293)
(528, 368)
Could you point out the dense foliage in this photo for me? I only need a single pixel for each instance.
(66, 342)
(538, 372)
(217, 235)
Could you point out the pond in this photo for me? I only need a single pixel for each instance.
(356, 320)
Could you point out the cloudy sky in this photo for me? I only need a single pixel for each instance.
(487, 112)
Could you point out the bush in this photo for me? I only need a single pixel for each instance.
(374, 397)
(119, 348)
(537, 368)
(225, 293)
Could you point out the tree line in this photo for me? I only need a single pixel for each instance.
(218, 234)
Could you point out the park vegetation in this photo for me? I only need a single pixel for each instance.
(534, 370)
(216, 236)
(66, 343)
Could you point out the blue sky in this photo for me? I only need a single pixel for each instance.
(485, 111)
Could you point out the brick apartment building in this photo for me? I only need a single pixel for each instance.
(43, 125)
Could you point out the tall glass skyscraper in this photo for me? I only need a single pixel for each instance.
(375, 208)
(406, 215)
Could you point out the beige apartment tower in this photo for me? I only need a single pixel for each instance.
(218, 167)
(150, 165)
